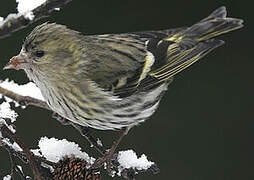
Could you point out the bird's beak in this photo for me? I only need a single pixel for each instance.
(14, 63)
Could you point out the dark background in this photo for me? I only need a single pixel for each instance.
(203, 129)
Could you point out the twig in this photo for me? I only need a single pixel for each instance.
(44, 172)
(14, 24)
(24, 100)
(15, 166)
(29, 155)
(22, 156)
(18, 154)
(131, 173)
(99, 162)
(84, 131)
(12, 163)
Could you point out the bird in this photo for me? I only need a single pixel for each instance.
(114, 81)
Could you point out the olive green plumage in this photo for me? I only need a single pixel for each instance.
(115, 80)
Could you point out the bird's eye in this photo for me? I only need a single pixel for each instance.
(39, 53)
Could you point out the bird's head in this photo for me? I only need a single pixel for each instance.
(49, 49)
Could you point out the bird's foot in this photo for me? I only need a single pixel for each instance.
(106, 160)
(109, 156)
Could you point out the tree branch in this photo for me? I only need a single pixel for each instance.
(29, 155)
(18, 22)
(24, 100)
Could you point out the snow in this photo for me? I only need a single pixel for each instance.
(128, 159)
(14, 145)
(25, 7)
(7, 177)
(29, 15)
(1, 21)
(36, 152)
(99, 142)
(20, 168)
(28, 5)
(29, 89)
(10, 16)
(54, 150)
(7, 113)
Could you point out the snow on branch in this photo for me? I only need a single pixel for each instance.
(29, 89)
(27, 94)
(28, 12)
(128, 159)
(54, 150)
(7, 114)
(5, 140)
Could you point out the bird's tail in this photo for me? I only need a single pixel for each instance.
(215, 24)
(193, 43)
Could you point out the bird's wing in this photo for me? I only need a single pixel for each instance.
(139, 61)
(121, 61)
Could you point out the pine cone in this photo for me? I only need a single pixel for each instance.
(74, 169)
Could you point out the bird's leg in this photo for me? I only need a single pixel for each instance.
(107, 158)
